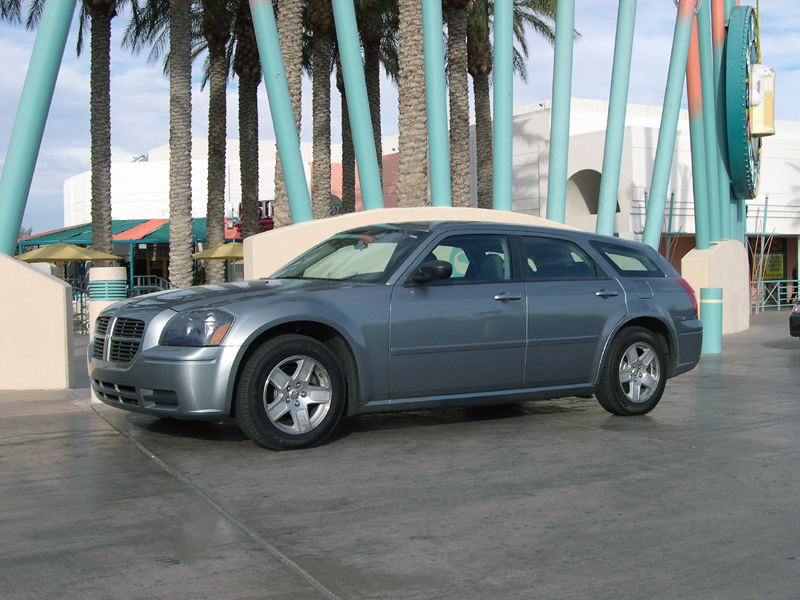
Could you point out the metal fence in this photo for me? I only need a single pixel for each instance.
(775, 294)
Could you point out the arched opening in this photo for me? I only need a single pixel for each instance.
(583, 193)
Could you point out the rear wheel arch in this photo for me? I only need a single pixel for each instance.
(633, 372)
(658, 328)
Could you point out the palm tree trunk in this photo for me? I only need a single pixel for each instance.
(456, 16)
(247, 66)
(180, 144)
(217, 111)
(372, 77)
(100, 127)
(348, 151)
(483, 138)
(290, 37)
(321, 125)
(412, 177)
(248, 151)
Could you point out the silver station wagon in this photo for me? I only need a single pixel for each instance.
(405, 316)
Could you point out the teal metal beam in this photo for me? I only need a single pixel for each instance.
(709, 119)
(34, 105)
(436, 103)
(718, 21)
(669, 124)
(502, 136)
(560, 111)
(280, 106)
(615, 127)
(358, 105)
(696, 134)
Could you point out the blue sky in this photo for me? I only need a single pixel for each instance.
(140, 93)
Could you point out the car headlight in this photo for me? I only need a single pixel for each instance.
(796, 308)
(197, 328)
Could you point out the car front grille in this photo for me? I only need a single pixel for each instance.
(117, 339)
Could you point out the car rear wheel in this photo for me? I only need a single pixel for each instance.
(633, 374)
(290, 393)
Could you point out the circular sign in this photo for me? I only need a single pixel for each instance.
(744, 149)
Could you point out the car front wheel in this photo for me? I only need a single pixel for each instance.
(633, 374)
(290, 394)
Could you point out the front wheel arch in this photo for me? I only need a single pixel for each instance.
(324, 334)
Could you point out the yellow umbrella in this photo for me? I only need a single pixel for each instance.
(62, 252)
(232, 251)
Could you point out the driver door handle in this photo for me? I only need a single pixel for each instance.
(507, 297)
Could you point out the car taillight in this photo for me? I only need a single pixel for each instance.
(688, 289)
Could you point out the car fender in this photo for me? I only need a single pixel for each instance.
(371, 367)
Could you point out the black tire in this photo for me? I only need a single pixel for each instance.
(291, 393)
(628, 391)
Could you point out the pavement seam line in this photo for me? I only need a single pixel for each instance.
(236, 522)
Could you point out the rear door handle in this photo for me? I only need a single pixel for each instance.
(606, 293)
(507, 297)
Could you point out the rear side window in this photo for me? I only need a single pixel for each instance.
(629, 262)
(550, 258)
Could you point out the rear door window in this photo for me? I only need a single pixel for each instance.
(551, 258)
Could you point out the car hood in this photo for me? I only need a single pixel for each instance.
(221, 295)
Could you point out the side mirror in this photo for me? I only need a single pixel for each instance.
(432, 270)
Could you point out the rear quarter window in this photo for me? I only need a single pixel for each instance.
(629, 262)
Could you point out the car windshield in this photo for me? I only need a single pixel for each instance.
(367, 254)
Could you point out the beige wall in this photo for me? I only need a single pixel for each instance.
(37, 352)
(724, 266)
(266, 252)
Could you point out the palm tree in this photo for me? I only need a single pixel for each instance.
(455, 13)
(217, 33)
(101, 13)
(534, 14)
(180, 143)
(348, 151)
(412, 177)
(290, 36)
(247, 66)
(320, 25)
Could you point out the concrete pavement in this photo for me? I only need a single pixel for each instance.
(554, 499)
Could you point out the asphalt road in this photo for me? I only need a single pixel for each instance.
(553, 499)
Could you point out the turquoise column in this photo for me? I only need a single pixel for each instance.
(669, 124)
(709, 119)
(502, 137)
(560, 110)
(436, 103)
(697, 138)
(34, 105)
(718, 20)
(615, 128)
(357, 104)
(280, 106)
(711, 318)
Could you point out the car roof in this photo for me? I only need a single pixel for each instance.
(565, 233)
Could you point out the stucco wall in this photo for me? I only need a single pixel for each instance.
(724, 265)
(37, 308)
(266, 252)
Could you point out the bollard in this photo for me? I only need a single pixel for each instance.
(106, 286)
(711, 317)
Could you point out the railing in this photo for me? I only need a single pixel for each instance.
(773, 294)
(80, 311)
(145, 284)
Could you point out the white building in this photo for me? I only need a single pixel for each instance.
(141, 189)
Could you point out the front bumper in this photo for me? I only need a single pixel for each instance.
(169, 381)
